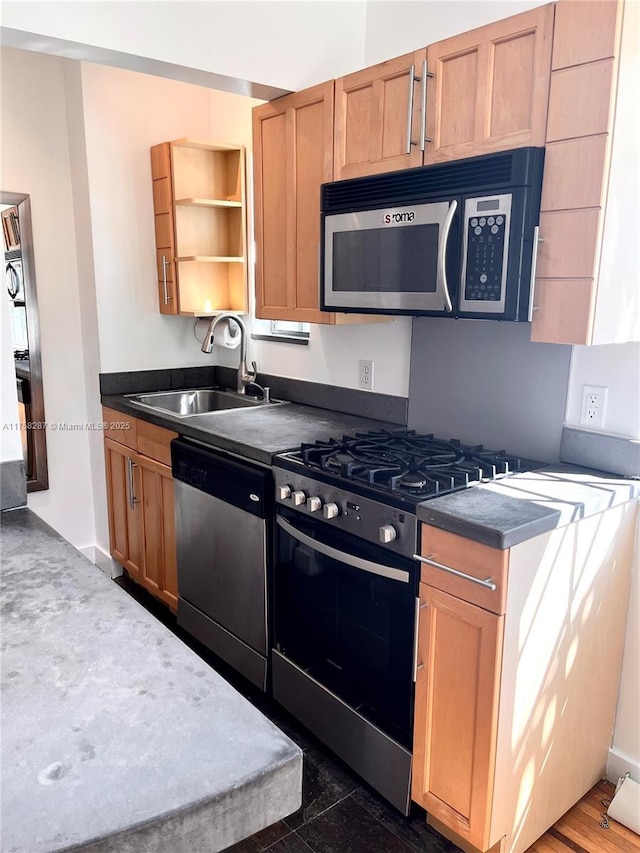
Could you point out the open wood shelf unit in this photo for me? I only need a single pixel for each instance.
(200, 210)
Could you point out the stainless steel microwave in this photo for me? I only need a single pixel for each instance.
(455, 239)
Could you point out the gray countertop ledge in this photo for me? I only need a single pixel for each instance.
(116, 737)
(516, 508)
(256, 433)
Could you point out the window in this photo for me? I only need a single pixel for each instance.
(280, 330)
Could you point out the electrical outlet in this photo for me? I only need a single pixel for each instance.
(366, 375)
(594, 402)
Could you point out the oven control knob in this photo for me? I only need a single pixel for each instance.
(387, 533)
(284, 492)
(331, 510)
(299, 498)
(314, 504)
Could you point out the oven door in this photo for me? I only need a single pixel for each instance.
(345, 616)
(397, 260)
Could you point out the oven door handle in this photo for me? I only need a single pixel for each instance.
(341, 556)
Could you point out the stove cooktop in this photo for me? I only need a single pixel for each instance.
(401, 466)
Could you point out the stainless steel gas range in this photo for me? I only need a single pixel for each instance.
(346, 585)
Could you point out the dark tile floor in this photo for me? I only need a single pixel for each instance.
(339, 813)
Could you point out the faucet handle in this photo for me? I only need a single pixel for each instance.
(254, 371)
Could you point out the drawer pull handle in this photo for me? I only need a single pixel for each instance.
(165, 264)
(487, 582)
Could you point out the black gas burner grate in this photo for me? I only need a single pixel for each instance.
(408, 464)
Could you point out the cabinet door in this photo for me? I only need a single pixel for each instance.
(164, 228)
(293, 156)
(378, 118)
(125, 513)
(159, 575)
(490, 87)
(459, 653)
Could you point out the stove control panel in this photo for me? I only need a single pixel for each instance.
(383, 525)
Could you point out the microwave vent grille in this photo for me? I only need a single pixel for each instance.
(476, 174)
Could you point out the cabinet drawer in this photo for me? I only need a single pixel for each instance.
(154, 442)
(122, 428)
(472, 559)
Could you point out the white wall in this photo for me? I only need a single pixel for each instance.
(616, 367)
(285, 44)
(35, 161)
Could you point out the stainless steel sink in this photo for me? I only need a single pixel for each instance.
(199, 401)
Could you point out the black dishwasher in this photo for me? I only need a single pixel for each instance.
(223, 513)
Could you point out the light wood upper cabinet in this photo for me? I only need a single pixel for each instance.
(490, 87)
(482, 91)
(140, 499)
(587, 275)
(292, 156)
(378, 118)
(200, 226)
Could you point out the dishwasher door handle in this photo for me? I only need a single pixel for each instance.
(341, 556)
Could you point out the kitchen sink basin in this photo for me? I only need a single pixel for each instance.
(200, 401)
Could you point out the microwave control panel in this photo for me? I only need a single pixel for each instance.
(484, 262)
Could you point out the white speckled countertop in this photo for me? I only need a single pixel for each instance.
(115, 735)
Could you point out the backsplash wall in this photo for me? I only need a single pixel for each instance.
(485, 382)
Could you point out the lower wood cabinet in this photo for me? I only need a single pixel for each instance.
(459, 655)
(125, 516)
(141, 506)
(517, 685)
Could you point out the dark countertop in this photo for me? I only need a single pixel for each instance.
(499, 514)
(116, 737)
(255, 433)
(516, 508)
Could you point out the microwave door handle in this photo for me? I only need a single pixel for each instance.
(442, 254)
(341, 556)
(534, 262)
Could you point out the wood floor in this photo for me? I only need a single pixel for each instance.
(579, 831)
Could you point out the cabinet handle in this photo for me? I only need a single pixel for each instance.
(133, 500)
(487, 582)
(442, 254)
(423, 118)
(165, 264)
(534, 264)
(412, 76)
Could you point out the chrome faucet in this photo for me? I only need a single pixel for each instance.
(245, 377)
